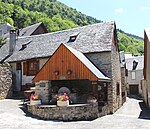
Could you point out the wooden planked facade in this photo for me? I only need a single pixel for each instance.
(64, 65)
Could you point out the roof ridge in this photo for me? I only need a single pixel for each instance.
(78, 27)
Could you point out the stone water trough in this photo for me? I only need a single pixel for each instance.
(77, 110)
(72, 112)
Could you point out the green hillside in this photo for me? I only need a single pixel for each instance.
(56, 16)
(130, 44)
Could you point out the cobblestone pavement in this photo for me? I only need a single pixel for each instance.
(132, 115)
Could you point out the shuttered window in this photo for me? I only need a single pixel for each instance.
(133, 75)
(30, 68)
(25, 70)
(33, 67)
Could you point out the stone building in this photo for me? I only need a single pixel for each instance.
(98, 43)
(134, 65)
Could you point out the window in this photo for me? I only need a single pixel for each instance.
(132, 75)
(24, 46)
(118, 88)
(73, 37)
(135, 63)
(33, 67)
(126, 72)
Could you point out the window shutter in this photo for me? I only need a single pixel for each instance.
(25, 70)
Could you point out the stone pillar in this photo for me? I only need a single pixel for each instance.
(42, 89)
(110, 97)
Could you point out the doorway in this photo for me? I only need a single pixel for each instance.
(134, 89)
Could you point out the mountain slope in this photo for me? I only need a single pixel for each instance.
(60, 16)
(130, 44)
(57, 16)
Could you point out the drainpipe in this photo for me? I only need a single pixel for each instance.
(12, 42)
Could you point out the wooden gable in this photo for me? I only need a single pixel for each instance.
(64, 65)
(41, 29)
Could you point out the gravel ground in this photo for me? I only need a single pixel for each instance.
(13, 117)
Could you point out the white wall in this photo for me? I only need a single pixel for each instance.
(137, 80)
(28, 79)
(16, 78)
(42, 62)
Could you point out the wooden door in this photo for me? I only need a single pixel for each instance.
(134, 89)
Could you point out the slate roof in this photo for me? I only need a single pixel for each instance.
(27, 31)
(91, 38)
(147, 31)
(87, 63)
(139, 59)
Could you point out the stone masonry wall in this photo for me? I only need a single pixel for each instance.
(123, 79)
(109, 64)
(102, 61)
(5, 81)
(42, 89)
(115, 99)
(70, 113)
(123, 84)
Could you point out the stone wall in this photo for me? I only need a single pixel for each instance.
(123, 79)
(70, 113)
(5, 81)
(104, 111)
(102, 61)
(123, 84)
(146, 91)
(115, 99)
(42, 89)
(109, 64)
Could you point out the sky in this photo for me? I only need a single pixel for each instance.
(131, 16)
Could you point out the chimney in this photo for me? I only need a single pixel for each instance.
(12, 41)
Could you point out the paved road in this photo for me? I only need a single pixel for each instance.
(127, 117)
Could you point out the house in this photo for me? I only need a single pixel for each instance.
(134, 65)
(146, 80)
(35, 29)
(97, 42)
